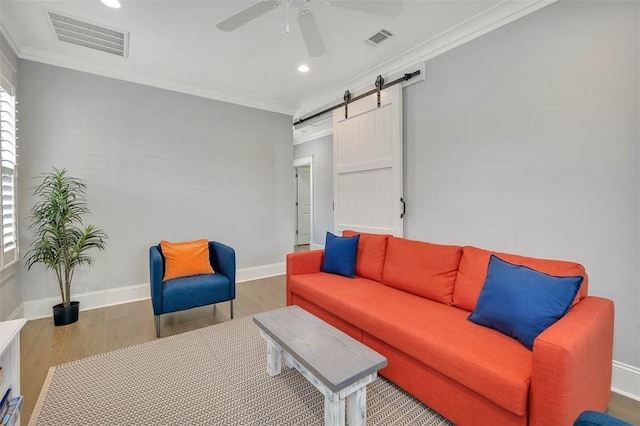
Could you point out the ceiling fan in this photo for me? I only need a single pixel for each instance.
(306, 19)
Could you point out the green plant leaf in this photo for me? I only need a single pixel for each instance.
(61, 241)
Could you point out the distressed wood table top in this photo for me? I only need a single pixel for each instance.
(333, 357)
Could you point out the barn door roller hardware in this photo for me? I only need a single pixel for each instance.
(347, 98)
(379, 86)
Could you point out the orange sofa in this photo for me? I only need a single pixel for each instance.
(410, 301)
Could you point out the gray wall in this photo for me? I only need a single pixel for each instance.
(322, 151)
(526, 140)
(10, 295)
(158, 165)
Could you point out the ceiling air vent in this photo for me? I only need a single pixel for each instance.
(379, 37)
(87, 34)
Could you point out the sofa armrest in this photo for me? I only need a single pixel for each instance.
(572, 362)
(306, 262)
(156, 273)
(223, 260)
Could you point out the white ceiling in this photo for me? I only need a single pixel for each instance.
(175, 44)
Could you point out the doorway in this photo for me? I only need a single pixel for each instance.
(303, 173)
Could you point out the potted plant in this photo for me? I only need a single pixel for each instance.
(61, 239)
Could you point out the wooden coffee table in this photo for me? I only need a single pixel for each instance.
(337, 365)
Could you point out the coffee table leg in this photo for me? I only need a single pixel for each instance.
(357, 407)
(273, 360)
(333, 411)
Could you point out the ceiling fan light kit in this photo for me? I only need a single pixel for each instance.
(306, 20)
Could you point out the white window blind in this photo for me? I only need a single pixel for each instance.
(8, 173)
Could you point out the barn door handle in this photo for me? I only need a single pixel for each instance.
(404, 208)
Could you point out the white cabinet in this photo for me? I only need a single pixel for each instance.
(10, 353)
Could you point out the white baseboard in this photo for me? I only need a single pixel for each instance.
(41, 308)
(263, 271)
(315, 246)
(626, 380)
(17, 313)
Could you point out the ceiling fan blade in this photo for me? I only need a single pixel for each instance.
(310, 33)
(247, 15)
(390, 8)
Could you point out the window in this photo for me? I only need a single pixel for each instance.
(9, 237)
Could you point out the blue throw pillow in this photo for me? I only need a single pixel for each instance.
(340, 255)
(521, 302)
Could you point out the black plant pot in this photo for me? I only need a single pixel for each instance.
(65, 316)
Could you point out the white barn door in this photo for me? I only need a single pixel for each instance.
(367, 165)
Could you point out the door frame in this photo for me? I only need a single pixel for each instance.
(301, 162)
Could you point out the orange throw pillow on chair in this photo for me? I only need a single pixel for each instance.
(185, 259)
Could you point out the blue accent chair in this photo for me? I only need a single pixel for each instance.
(596, 418)
(190, 292)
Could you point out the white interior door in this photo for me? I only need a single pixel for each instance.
(303, 205)
(367, 165)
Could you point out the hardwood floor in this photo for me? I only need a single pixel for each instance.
(101, 330)
(624, 408)
(42, 345)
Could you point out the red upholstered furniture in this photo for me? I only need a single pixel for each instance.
(410, 301)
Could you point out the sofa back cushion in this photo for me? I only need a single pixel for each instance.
(473, 273)
(372, 250)
(425, 269)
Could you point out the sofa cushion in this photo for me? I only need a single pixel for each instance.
(482, 359)
(340, 255)
(521, 302)
(372, 250)
(426, 269)
(188, 292)
(473, 273)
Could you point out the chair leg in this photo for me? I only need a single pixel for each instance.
(214, 309)
(157, 325)
(231, 307)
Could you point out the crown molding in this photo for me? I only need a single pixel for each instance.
(488, 20)
(312, 137)
(495, 17)
(314, 130)
(40, 54)
(8, 38)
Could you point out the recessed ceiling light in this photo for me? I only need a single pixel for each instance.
(303, 68)
(111, 3)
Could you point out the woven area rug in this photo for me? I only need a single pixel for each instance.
(212, 376)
